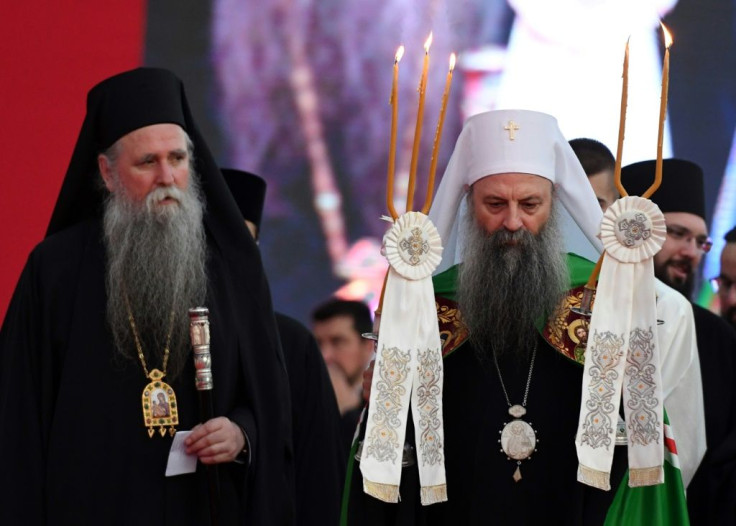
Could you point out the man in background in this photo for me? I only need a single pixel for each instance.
(726, 280)
(598, 163)
(681, 199)
(338, 325)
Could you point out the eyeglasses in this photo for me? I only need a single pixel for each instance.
(722, 285)
(703, 243)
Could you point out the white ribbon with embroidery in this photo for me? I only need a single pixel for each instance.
(408, 368)
(623, 353)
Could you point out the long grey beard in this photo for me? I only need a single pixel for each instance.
(503, 290)
(156, 255)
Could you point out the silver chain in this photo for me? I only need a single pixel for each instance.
(528, 380)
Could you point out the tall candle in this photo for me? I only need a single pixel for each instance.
(622, 124)
(394, 123)
(662, 112)
(418, 127)
(437, 136)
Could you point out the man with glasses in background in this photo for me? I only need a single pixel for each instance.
(712, 493)
(725, 283)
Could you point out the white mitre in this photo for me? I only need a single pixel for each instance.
(516, 141)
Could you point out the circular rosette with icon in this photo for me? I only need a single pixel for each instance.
(633, 229)
(413, 246)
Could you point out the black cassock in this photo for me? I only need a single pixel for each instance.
(319, 452)
(711, 496)
(75, 449)
(480, 487)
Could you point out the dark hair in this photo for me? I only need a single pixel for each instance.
(357, 310)
(730, 236)
(593, 155)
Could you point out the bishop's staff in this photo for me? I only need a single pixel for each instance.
(199, 332)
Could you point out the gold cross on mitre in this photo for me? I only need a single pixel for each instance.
(511, 127)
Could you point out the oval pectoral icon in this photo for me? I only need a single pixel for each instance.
(518, 440)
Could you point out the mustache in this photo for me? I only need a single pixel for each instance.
(678, 262)
(506, 238)
(163, 192)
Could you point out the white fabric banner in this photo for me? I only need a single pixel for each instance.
(623, 355)
(408, 369)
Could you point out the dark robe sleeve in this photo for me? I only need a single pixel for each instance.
(712, 493)
(245, 420)
(29, 369)
(20, 417)
(319, 454)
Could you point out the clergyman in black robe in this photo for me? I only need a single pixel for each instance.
(319, 453)
(505, 310)
(711, 494)
(77, 449)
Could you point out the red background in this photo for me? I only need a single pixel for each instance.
(50, 56)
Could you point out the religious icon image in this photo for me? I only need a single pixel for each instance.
(160, 405)
(578, 332)
(518, 440)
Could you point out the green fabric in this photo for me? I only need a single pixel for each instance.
(445, 283)
(661, 505)
(348, 479)
(579, 269)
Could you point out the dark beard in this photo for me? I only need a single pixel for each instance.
(684, 287)
(156, 256)
(504, 290)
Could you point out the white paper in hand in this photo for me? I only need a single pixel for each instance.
(179, 462)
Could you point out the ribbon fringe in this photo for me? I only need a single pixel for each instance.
(646, 477)
(383, 492)
(434, 494)
(595, 478)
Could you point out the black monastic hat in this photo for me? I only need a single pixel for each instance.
(681, 189)
(117, 106)
(249, 191)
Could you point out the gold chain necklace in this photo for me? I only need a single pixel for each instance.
(158, 399)
(139, 347)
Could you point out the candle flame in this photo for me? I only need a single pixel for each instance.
(428, 43)
(399, 54)
(452, 61)
(667, 36)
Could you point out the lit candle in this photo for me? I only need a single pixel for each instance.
(622, 124)
(394, 123)
(418, 128)
(437, 135)
(662, 112)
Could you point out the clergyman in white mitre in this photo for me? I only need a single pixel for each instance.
(513, 180)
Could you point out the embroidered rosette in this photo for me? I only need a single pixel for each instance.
(408, 368)
(622, 358)
(633, 229)
(413, 246)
